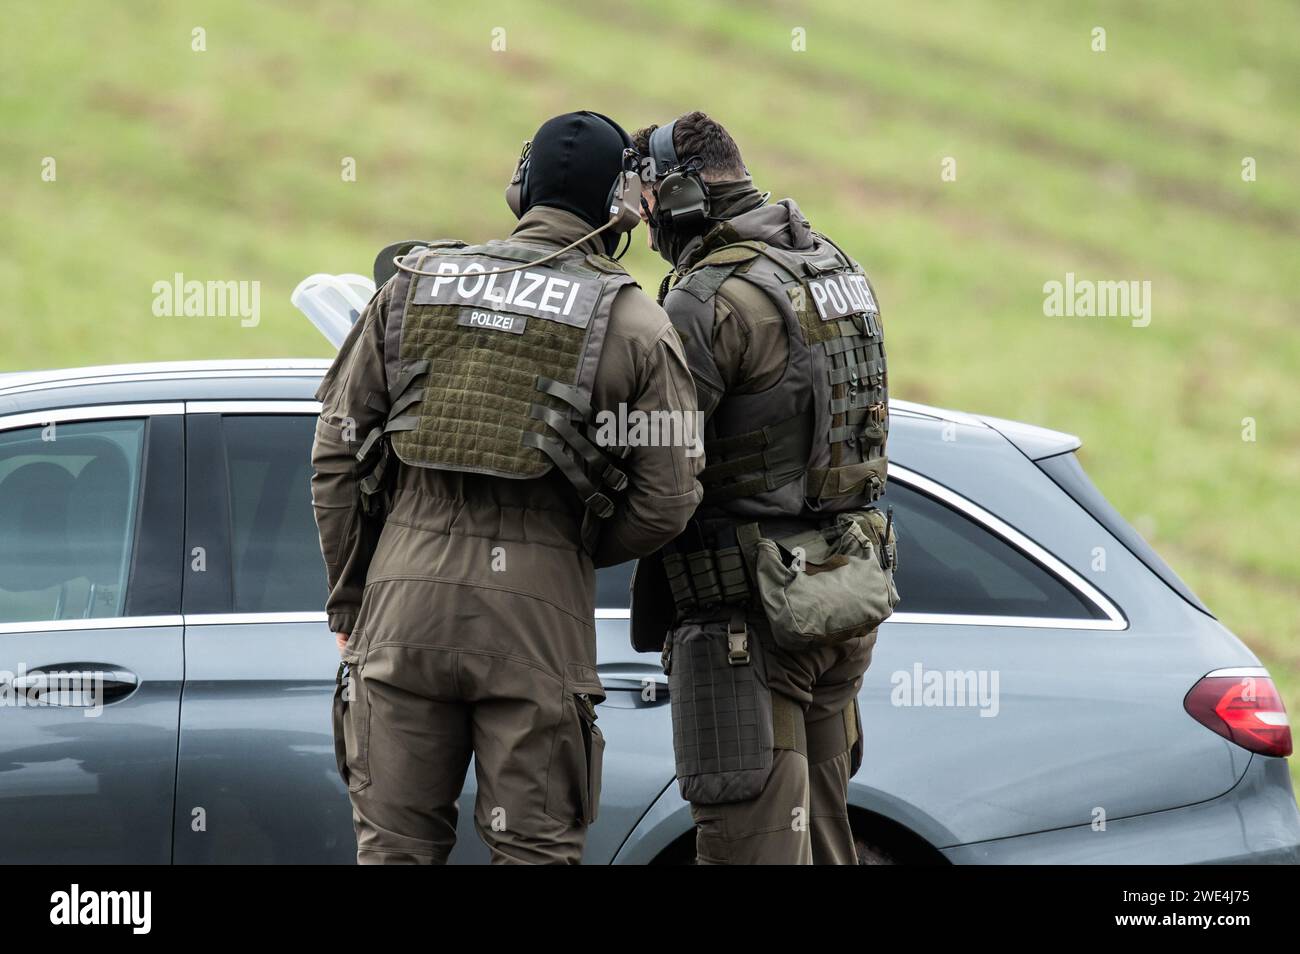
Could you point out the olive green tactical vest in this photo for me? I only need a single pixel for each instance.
(493, 374)
(814, 443)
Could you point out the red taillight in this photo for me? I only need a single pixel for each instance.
(1244, 708)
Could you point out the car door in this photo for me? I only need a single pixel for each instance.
(256, 778)
(90, 633)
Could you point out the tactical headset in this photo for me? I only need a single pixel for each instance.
(681, 198)
(623, 200)
(624, 203)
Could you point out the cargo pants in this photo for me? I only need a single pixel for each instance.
(409, 712)
(766, 744)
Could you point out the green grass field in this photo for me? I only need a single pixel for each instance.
(1117, 165)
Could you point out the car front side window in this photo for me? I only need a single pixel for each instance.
(69, 495)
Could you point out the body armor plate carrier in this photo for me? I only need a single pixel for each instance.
(493, 374)
(813, 444)
(791, 456)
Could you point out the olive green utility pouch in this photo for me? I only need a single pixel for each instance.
(826, 586)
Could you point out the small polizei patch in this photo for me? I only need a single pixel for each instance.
(491, 320)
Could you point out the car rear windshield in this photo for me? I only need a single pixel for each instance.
(1068, 474)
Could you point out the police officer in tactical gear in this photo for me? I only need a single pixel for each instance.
(778, 584)
(463, 501)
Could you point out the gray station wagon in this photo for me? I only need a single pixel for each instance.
(1047, 692)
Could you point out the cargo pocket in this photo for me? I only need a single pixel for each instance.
(351, 725)
(855, 740)
(577, 758)
(337, 707)
(337, 524)
(722, 712)
(593, 741)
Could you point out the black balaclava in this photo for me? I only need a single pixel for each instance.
(573, 164)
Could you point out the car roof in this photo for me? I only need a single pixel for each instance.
(13, 381)
(242, 379)
(298, 378)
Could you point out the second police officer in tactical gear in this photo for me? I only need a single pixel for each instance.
(463, 501)
(779, 583)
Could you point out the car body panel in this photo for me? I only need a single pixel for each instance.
(1254, 823)
(256, 780)
(1064, 743)
(1033, 441)
(83, 788)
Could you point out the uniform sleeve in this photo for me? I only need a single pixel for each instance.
(750, 344)
(695, 329)
(351, 394)
(662, 491)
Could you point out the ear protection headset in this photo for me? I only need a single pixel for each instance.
(623, 199)
(515, 197)
(681, 200)
(624, 203)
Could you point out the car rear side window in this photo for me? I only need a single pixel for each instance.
(948, 564)
(69, 497)
(276, 564)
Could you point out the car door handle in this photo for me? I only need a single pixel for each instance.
(75, 685)
(632, 677)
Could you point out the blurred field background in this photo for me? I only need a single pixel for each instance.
(225, 165)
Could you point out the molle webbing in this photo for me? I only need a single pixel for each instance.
(849, 360)
(482, 385)
(706, 572)
(757, 461)
(833, 446)
(852, 347)
(493, 374)
(857, 378)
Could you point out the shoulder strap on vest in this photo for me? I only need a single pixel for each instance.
(703, 279)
